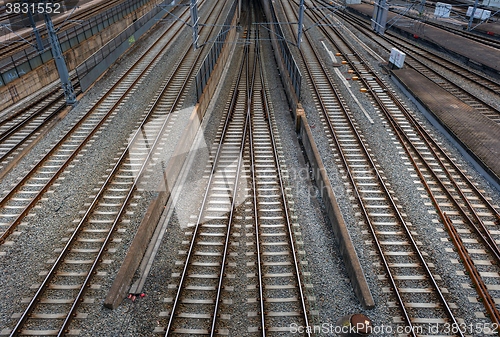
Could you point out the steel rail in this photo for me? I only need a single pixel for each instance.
(65, 250)
(9, 159)
(481, 288)
(227, 121)
(284, 200)
(355, 187)
(143, 168)
(132, 188)
(480, 227)
(475, 276)
(247, 129)
(101, 192)
(406, 230)
(413, 61)
(400, 218)
(463, 33)
(213, 330)
(390, 36)
(482, 231)
(88, 114)
(360, 202)
(425, 133)
(454, 235)
(257, 240)
(15, 128)
(20, 120)
(12, 115)
(404, 140)
(432, 145)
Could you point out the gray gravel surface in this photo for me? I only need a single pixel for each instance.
(331, 293)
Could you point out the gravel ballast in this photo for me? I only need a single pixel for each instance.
(330, 295)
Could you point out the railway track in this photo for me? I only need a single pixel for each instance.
(448, 74)
(417, 291)
(245, 226)
(442, 161)
(451, 190)
(95, 235)
(17, 203)
(20, 130)
(429, 19)
(468, 215)
(245, 200)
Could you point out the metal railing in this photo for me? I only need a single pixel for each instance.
(28, 59)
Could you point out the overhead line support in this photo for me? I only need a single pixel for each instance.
(301, 18)
(62, 69)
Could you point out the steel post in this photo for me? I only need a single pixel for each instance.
(379, 20)
(39, 44)
(301, 18)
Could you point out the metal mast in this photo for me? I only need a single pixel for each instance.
(39, 44)
(472, 16)
(69, 92)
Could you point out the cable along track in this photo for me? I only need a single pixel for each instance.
(459, 203)
(244, 206)
(417, 292)
(60, 294)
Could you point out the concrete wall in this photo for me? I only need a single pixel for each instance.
(47, 73)
(114, 49)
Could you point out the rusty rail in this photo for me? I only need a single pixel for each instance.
(474, 275)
